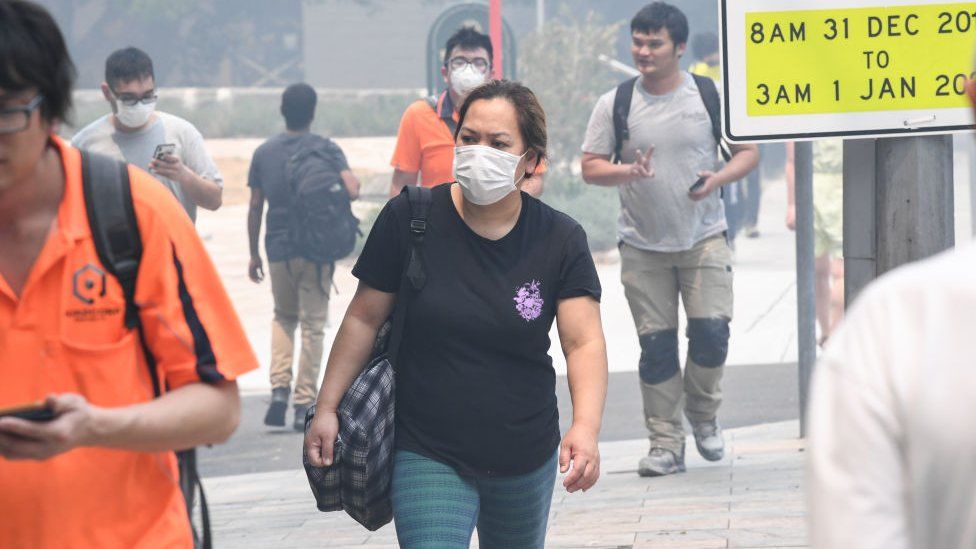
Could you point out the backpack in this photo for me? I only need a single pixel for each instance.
(118, 243)
(621, 110)
(322, 226)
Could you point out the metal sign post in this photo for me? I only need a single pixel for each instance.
(805, 291)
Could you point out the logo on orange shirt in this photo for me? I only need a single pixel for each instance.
(88, 287)
(88, 284)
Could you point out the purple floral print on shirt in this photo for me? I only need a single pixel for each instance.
(529, 302)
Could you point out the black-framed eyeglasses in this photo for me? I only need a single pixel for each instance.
(17, 119)
(131, 100)
(479, 63)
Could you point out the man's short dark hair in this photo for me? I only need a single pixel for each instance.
(704, 45)
(33, 55)
(659, 15)
(127, 65)
(298, 106)
(467, 38)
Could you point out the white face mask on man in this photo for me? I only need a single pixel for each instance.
(466, 79)
(134, 116)
(486, 175)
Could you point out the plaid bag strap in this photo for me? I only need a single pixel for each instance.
(415, 275)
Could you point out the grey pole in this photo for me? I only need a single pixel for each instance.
(540, 14)
(915, 199)
(806, 312)
(898, 205)
(860, 197)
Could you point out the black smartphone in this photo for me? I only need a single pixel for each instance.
(164, 149)
(698, 185)
(35, 411)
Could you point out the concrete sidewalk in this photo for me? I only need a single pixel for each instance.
(753, 498)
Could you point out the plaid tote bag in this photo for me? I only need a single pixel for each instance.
(358, 481)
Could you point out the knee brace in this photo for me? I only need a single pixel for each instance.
(659, 356)
(708, 341)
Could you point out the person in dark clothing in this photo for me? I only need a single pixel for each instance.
(477, 425)
(300, 288)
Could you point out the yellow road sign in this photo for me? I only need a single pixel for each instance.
(849, 67)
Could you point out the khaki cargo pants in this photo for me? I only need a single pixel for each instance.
(300, 297)
(653, 282)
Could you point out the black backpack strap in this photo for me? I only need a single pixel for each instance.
(115, 233)
(414, 275)
(621, 111)
(118, 243)
(190, 484)
(419, 210)
(713, 104)
(446, 112)
(112, 217)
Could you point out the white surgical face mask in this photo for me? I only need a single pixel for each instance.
(135, 116)
(486, 175)
(466, 79)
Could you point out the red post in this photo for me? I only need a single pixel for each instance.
(495, 32)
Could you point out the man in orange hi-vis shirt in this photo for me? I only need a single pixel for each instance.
(425, 141)
(100, 471)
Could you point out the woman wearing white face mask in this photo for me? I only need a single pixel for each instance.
(477, 433)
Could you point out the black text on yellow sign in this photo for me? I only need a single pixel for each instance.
(859, 60)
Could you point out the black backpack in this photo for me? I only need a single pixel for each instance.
(621, 110)
(322, 227)
(118, 243)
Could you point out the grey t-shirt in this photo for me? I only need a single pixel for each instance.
(137, 149)
(656, 214)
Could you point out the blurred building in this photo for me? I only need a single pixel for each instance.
(342, 44)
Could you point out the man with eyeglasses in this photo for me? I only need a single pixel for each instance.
(425, 142)
(135, 129)
(86, 447)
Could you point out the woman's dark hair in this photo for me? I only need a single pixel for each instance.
(531, 117)
(298, 106)
(467, 38)
(127, 65)
(33, 55)
(659, 15)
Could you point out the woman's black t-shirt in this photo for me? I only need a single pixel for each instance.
(475, 386)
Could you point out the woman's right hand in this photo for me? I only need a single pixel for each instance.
(320, 438)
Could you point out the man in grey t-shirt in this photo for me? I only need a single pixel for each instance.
(134, 130)
(671, 235)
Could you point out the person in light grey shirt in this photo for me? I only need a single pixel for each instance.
(656, 213)
(671, 235)
(134, 129)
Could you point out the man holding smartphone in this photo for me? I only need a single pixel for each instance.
(169, 147)
(101, 470)
(671, 233)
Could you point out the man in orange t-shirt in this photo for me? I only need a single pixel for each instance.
(425, 141)
(102, 472)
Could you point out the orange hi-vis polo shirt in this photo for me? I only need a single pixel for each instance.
(425, 144)
(65, 334)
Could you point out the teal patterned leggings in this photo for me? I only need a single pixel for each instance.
(436, 508)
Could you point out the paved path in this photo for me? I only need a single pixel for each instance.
(753, 395)
(752, 498)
